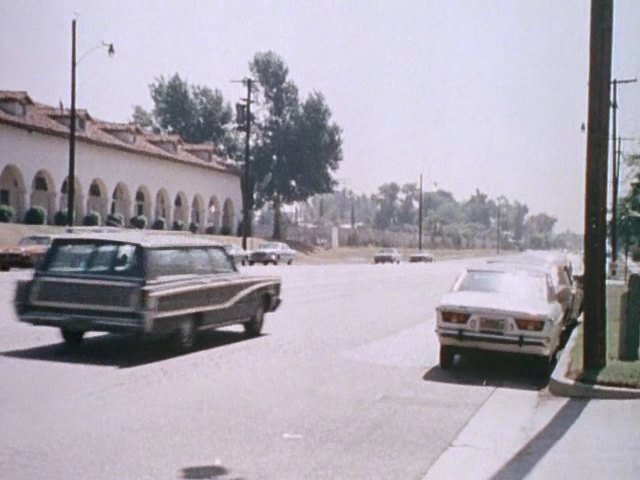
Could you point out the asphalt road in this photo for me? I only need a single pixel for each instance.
(343, 384)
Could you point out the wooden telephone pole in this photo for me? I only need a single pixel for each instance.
(595, 349)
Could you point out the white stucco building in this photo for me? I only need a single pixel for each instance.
(120, 168)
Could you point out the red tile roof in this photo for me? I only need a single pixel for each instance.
(41, 118)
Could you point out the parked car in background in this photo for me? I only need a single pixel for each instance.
(560, 267)
(239, 255)
(387, 255)
(29, 251)
(272, 252)
(131, 282)
(502, 308)
(421, 256)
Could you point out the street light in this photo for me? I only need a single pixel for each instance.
(71, 184)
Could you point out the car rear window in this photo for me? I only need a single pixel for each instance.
(521, 285)
(94, 258)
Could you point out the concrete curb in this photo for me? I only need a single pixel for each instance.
(563, 386)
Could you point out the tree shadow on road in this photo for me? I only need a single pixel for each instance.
(528, 456)
(123, 351)
(492, 369)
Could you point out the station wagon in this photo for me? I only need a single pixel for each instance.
(148, 284)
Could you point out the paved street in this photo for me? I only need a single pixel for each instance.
(343, 384)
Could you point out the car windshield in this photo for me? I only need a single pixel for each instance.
(28, 241)
(94, 258)
(516, 284)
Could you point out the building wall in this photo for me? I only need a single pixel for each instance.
(28, 153)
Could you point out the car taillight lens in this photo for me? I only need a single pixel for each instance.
(455, 317)
(529, 324)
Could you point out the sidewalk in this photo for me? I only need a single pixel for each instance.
(536, 434)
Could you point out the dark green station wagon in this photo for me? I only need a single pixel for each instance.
(143, 283)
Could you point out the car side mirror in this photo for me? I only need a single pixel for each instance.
(564, 295)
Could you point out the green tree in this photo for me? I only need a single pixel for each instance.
(478, 209)
(297, 146)
(387, 206)
(196, 113)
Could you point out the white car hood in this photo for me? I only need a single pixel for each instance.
(495, 302)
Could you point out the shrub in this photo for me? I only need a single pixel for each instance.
(35, 216)
(210, 229)
(91, 219)
(159, 224)
(6, 213)
(225, 230)
(194, 227)
(115, 220)
(178, 225)
(139, 221)
(60, 218)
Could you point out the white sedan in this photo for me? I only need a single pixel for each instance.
(503, 308)
(272, 252)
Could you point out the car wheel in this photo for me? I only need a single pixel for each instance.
(250, 262)
(5, 268)
(72, 338)
(184, 338)
(265, 263)
(544, 365)
(253, 327)
(447, 355)
(289, 262)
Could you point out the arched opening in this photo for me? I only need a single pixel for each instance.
(197, 213)
(97, 200)
(121, 202)
(143, 203)
(227, 217)
(162, 207)
(12, 191)
(43, 193)
(213, 214)
(180, 207)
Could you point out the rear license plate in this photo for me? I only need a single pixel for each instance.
(493, 324)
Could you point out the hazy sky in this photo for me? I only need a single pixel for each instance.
(486, 94)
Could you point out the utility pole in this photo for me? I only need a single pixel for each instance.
(247, 203)
(420, 217)
(601, 31)
(71, 178)
(498, 230)
(614, 170)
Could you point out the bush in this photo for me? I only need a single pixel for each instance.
(178, 225)
(115, 220)
(6, 213)
(225, 230)
(159, 224)
(61, 218)
(91, 219)
(35, 216)
(210, 229)
(139, 221)
(194, 227)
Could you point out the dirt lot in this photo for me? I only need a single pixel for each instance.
(10, 234)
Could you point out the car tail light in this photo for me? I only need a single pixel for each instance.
(529, 324)
(455, 317)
